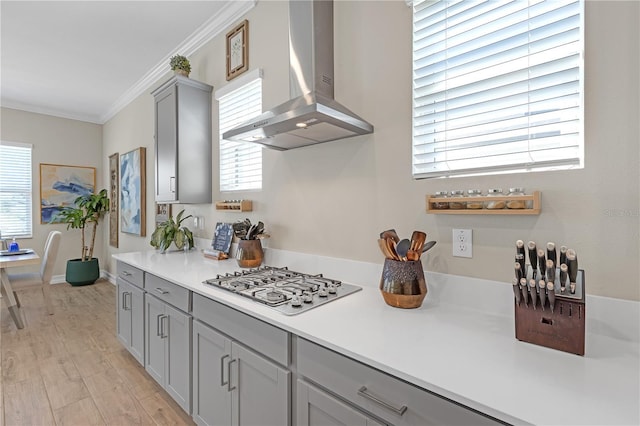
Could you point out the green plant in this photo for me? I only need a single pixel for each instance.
(244, 230)
(179, 62)
(172, 231)
(89, 209)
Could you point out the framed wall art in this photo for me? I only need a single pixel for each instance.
(59, 187)
(238, 50)
(163, 212)
(133, 192)
(114, 198)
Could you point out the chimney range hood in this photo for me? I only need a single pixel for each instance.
(312, 115)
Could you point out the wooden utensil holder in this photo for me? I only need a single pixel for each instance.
(563, 329)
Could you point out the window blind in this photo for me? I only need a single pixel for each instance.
(15, 190)
(240, 162)
(497, 86)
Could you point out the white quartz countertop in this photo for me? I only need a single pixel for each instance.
(460, 344)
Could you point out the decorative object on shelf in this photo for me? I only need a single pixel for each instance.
(133, 192)
(235, 205)
(492, 204)
(249, 253)
(163, 212)
(238, 50)
(222, 237)
(172, 232)
(549, 298)
(180, 65)
(114, 195)
(403, 284)
(60, 185)
(88, 209)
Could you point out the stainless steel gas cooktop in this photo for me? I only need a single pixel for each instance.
(287, 291)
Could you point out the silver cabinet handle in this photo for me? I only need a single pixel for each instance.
(124, 301)
(222, 382)
(229, 387)
(172, 184)
(161, 290)
(363, 392)
(158, 325)
(127, 306)
(162, 329)
(126, 273)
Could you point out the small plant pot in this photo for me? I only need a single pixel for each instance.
(403, 284)
(181, 72)
(249, 253)
(82, 273)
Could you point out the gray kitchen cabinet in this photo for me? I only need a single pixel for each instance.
(316, 407)
(183, 141)
(394, 401)
(130, 310)
(168, 349)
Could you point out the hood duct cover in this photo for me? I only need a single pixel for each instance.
(312, 115)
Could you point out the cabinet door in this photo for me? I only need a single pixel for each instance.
(260, 390)
(154, 350)
(211, 396)
(318, 408)
(166, 146)
(123, 313)
(176, 331)
(137, 323)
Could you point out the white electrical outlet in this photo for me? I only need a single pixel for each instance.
(462, 243)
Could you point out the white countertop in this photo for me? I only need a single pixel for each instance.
(454, 346)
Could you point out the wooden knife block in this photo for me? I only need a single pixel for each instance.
(563, 329)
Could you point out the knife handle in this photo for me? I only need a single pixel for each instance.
(563, 277)
(543, 286)
(533, 258)
(518, 271)
(551, 294)
(533, 291)
(525, 291)
(541, 262)
(523, 266)
(563, 255)
(572, 265)
(551, 271)
(516, 291)
(551, 253)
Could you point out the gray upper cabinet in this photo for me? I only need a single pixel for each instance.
(183, 141)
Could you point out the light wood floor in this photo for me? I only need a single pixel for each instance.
(70, 369)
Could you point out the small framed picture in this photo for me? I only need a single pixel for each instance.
(238, 50)
(163, 211)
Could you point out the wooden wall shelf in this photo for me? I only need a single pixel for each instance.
(236, 206)
(533, 200)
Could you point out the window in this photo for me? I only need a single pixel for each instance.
(240, 162)
(15, 190)
(497, 86)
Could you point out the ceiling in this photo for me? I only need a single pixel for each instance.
(86, 60)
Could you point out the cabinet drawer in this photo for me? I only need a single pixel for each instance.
(130, 274)
(263, 338)
(167, 291)
(385, 396)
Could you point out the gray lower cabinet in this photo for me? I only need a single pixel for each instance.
(235, 386)
(168, 349)
(316, 407)
(130, 310)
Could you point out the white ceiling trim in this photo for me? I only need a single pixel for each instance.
(89, 118)
(214, 26)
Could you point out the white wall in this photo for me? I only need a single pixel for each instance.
(57, 141)
(333, 199)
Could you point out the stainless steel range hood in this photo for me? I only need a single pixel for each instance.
(312, 115)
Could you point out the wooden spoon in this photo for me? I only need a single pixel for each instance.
(413, 255)
(391, 233)
(391, 246)
(384, 249)
(417, 240)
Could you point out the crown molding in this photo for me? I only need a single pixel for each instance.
(207, 31)
(89, 118)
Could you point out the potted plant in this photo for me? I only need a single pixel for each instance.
(172, 231)
(249, 253)
(88, 211)
(180, 65)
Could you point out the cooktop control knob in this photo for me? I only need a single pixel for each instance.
(307, 298)
(332, 289)
(296, 302)
(323, 292)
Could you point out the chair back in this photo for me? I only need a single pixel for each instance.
(50, 254)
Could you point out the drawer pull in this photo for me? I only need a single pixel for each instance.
(161, 290)
(222, 381)
(229, 386)
(363, 392)
(126, 273)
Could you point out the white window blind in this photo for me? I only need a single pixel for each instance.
(15, 190)
(240, 162)
(497, 86)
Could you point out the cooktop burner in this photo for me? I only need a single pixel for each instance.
(287, 291)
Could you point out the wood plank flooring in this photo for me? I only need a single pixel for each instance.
(70, 369)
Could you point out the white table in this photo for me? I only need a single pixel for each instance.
(6, 289)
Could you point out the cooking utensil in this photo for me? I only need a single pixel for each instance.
(523, 266)
(384, 249)
(563, 276)
(551, 271)
(390, 233)
(402, 248)
(563, 255)
(516, 290)
(518, 270)
(552, 254)
(551, 295)
(572, 269)
(413, 255)
(533, 258)
(543, 292)
(428, 245)
(533, 292)
(417, 240)
(525, 291)
(542, 262)
(520, 247)
(391, 246)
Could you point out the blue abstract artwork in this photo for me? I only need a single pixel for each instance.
(132, 192)
(60, 186)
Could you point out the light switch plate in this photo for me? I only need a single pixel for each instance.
(462, 243)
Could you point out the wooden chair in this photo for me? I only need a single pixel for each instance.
(42, 278)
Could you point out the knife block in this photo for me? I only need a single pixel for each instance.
(563, 329)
